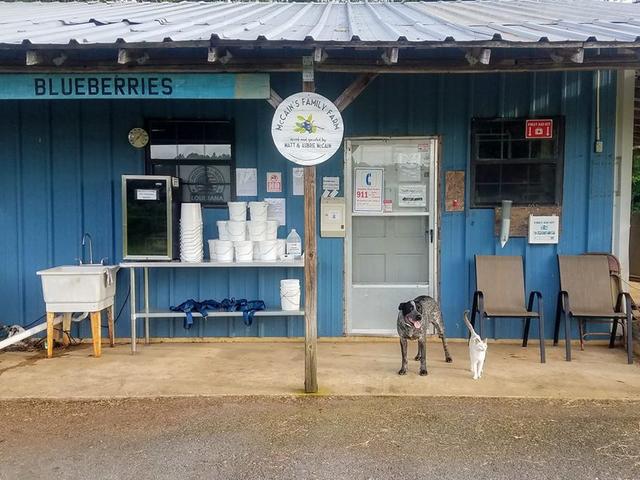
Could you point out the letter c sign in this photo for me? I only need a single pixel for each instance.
(367, 179)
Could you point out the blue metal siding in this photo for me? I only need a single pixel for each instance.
(62, 163)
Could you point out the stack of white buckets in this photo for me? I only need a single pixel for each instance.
(247, 241)
(191, 249)
(253, 240)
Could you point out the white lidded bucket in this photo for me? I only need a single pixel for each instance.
(244, 251)
(236, 231)
(258, 210)
(290, 294)
(223, 250)
(272, 230)
(269, 250)
(257, 230)
(237, 211)
(256, 250)
(212, 250)
(223, 233)
(191, 214)
(281, 248)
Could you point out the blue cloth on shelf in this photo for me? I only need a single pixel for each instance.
(247, 307)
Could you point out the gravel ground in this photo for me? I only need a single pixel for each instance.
(320, 437)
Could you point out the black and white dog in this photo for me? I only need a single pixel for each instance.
(412, 325)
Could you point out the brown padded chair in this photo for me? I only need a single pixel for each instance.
(500, 294)
(586, 295)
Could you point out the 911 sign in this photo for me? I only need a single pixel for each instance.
(539, 129)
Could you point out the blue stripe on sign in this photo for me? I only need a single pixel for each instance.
(131, 85)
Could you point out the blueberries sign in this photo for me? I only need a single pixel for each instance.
(307, 128)
(114, 86)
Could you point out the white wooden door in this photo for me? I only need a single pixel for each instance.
(390, 248)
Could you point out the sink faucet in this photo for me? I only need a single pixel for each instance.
(84, 240)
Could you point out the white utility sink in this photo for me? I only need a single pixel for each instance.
(79, 288)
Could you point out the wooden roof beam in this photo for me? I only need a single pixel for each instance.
(221, 55)
(41, 57)
(478, 55)
(390, 55)
(127, 56)
(319, 55)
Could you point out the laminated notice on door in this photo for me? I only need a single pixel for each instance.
(412, 195)
(369, 185)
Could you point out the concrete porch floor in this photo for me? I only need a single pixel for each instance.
(344, 368)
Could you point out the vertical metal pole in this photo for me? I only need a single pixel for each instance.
(310, 275)
(132, 305)
(146, 305)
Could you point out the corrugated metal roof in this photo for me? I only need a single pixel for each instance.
(460, 21)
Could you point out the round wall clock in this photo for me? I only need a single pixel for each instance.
(138, 137)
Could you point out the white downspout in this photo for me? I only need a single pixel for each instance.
(625, 94)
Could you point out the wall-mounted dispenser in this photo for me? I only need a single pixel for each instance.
(505, 222)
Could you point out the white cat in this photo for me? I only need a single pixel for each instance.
(477, 349)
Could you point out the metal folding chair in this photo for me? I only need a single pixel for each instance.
(500, 294)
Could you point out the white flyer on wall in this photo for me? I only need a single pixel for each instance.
(412, 195)
(246, 182)
(298, 180)
(368, 188)
(277, 210)
(544, 229)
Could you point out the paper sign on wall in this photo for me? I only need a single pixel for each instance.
(246, 182)
(277, 210)
(298, 181)
(368, 188)
(412, 195)
(544, 228)
(274, 182)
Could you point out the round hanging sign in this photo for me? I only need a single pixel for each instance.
(307, 128)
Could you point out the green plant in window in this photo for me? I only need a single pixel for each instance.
(305, 125)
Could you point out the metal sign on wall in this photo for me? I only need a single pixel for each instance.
(307, 128)
(539, 128)
(54, 86)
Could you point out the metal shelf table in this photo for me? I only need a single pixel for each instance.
(147, 314)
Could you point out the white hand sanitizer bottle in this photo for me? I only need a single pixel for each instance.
(294, 244)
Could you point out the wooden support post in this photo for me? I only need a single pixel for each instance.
(50, 317)
(112, 337)
(96, 333)
(310, 275)
(66, 328)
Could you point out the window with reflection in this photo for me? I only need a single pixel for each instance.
(199, 152)
(505, 165)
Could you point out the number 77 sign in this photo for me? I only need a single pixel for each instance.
(368, 188)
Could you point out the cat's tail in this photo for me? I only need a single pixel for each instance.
(469, 326)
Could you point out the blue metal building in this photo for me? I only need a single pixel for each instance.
(62, 159)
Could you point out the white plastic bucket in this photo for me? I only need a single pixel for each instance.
(237, 211)
(269, 250)
(258, 210)
(281, 248)
(257, 230)
(191, 214)
(236, 231)
(256, 250)
(244, 251)
(290, 294)
(212, 250)
(223, 250)
(223, 234)
(272, 230)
